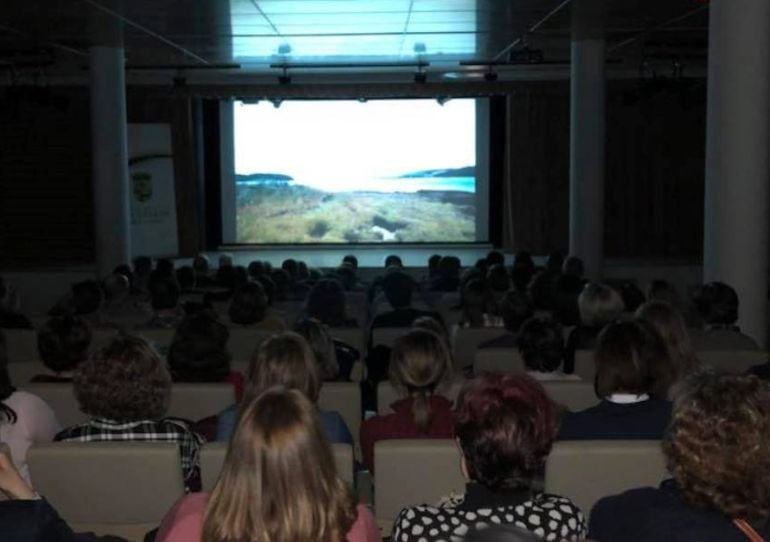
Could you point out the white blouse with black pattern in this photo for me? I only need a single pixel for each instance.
(551, 517)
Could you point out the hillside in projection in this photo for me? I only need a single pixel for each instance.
(355, 172)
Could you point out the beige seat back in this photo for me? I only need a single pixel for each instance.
(110, 483)
(498, 360)
(732, 361)
(387, 393)
(585, 471)
(344, 398)
(585, 367)
(22, 372)
(466, 342)
(410, 472)
(575, 395)
(243, 341)
(386, 336)
(195, 401)
(213, 457)
(21, 345)
(61, 398)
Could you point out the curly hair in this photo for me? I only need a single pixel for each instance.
(717, 444)
(506, 425)
(63, 342)
(126, 381)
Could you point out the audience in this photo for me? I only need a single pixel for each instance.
(516, 308)
(398, 288)
(626, 356)
(125, 388)
(121, 308)
(278, 482)
(9, 317)
(249, 307)
(505, 427)
(717, 305)
(475, 303)
(63, 343)
(447, 277)
(285, 360)
(717, 451)
(164, 298)
(87, 301)
(419, 364)
(24, 418)
(326, 303)
(541, 345)
(335, 358)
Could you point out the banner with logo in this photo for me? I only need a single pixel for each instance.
(151, 186)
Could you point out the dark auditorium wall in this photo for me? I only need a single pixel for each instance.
(655, 161)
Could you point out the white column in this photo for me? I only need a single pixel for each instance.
(110, 158)
(735, 249)
(587, 105)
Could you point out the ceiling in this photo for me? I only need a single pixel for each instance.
(249, 38)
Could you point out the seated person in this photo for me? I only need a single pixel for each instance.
(717, 305)
(285, 360)
(198, 352)
(249, 307)
(121, 308)
(516, 308)
(9, 317)
(505, 427)
(125, 389)
(326, 303)
(476, 305)
(164, 298)
(599, 305)
(398, 288)
(86, 302)
(294, 494)
(63, 343)
(447, 277)
(25, 419)
(335, 358)
(541, 346)
(626, 355)
(419, 364)
(716, 450)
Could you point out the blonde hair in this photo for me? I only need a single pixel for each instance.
(285, 359)
(420, 362)
(279, 480)
(599, 305)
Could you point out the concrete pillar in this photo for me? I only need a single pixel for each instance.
(735, 249)
(587, 132)
(112, 227)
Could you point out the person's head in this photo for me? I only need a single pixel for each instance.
(116, 286)
(303, 272)
(351, 260)
(599, 305)
(393, 261)
(632, 296)
(717, 445)
(125, 381)
(627, 355)
(165, 267)
(198, 352)
(449, 267)
(554, 262)
(717, 303)
(541, 345)
(285, 359)
(268, 286)
(661, 290)
(433, 262)
(63, 342)
(279, 480)
(201, 264)
(322, 345)
(326, 302)
(498, 278)
(290, 266)
(398, 289)
(495, 257)
(164, 292)
(225, 260)
(474, 298)
(672, 329)
(125, 270)
(505, 426)
(185, 277)
(282, 282)
(521, 277)
(255, 269)
(515, 308)
(541, 290)
(431, 324)
(573, 266)
(248, 305)
(7, 414)
(240, 276)
(347, 276)
(86, 297)
(523, 259)
(142, 266)
(225, 276)
(419, 362)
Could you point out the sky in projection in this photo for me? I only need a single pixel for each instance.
(338, 145)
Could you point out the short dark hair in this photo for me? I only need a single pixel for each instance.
(63, 342)
(326, 302)
(626, 355)
(142, 265)
(515, 308)
(393, 260)
(164, 291)
(495, 257)
(249, 304)
(717, 303)
(398, 289)
(498, 277)
(290, 266)
(541, 345)
(198, 352)
(165, 267)
(126, 381)
(86, 296)
(506, 425)
(185, 276)
(351, 259)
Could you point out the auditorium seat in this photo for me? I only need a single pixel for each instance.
(344, 398)
(243, 341)
(409, 472)
(213, 457)
(586, 471)
(387, 394)
(732, 361)
(61, 398)
(387, 335)
(22, 372)
(195, 401)
(575, 395)
(466, 342)
(585, 367)
(118, 488)
(354, 336)
(498, 360)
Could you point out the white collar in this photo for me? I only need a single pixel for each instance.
(627, 398)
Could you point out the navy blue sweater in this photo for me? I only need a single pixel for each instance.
(646, 420)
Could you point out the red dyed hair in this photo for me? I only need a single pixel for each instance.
(506, 425)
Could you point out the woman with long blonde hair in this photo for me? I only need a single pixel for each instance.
(278, 483)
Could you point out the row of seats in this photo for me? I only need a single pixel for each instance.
(126, 488)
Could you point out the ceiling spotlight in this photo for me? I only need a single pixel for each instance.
(276, 102)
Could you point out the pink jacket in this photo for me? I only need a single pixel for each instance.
(184, 522)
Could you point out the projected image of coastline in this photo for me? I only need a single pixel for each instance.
(397, 171)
